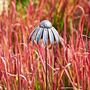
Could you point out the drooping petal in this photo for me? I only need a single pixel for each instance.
(30, 36)
(39, 35)
(33, 35)
(45, 36)
(51, 36)
(56, 35)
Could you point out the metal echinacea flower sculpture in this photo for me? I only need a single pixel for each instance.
(48, 34)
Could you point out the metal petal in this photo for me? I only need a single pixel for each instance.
(51, 36)
(45, 36)
(30, 36)
(39, 35)
(56, 35)
(33, 34)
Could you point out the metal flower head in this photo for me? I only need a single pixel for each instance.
(46, 32)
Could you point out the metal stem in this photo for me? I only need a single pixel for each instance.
(46, 67)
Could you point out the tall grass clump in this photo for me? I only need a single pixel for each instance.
(22, 65)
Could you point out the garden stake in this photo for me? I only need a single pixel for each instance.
(48, 34)
(46, 67)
